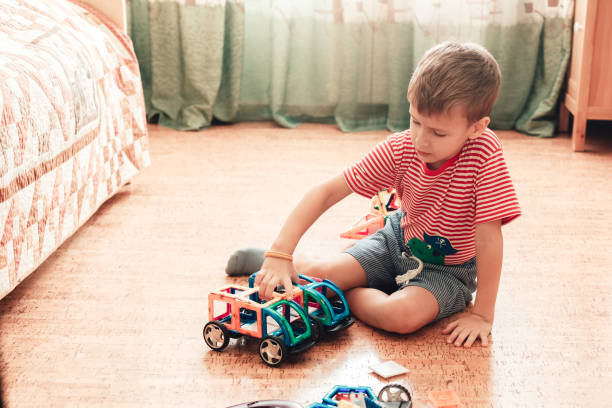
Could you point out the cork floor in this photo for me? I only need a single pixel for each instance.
(114, 317)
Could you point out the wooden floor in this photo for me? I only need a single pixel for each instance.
(114, 318)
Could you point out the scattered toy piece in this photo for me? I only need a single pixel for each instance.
(388, 369)
(376, 218)
(346, 404)
(444, 399)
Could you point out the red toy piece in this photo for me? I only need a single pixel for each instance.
(376, 218)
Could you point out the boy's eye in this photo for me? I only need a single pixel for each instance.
(415, 122)
(439, 134)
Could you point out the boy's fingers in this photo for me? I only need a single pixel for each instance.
(259, 277)
(484, 339)
(288, 287)
(470, 340)
(453, 335)
(461, 338)
(262, 291)
(260, 280)
(450, 327)
(268, 288)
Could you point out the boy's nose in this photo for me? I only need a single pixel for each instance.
(422, 141)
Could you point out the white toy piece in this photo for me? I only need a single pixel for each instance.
(388, 369)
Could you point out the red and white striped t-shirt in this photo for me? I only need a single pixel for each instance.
(471, 188)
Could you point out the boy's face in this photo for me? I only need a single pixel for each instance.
(439, 137)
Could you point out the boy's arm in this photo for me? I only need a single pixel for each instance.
(315, 202)
(489, 253)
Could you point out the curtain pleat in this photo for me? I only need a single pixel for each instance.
(346, 62)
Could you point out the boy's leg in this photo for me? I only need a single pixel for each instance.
(342, 269)
(245, 261)
(403, 311)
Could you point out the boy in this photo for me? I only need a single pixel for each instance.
(455, 190)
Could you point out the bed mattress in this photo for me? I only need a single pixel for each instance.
(72, 126)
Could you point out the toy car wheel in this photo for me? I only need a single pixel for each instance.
(317, 329)
(272, 350)
(315, 326)
(216, 335)
(394, 393)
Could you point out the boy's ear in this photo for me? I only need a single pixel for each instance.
(478, 127)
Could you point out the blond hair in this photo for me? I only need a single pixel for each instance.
(456, 74)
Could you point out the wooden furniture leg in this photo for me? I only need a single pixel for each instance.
(579, 132)
(563, 118)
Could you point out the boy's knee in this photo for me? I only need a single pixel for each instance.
(402, 319)
(309, 267)
(401, 324)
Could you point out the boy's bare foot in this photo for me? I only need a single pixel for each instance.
(245, 261)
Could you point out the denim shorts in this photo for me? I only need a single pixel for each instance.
(380, 256)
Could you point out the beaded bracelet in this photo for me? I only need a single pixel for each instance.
(279, 255)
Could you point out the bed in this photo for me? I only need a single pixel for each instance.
(72, 124)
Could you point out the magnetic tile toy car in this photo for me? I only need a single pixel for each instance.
(281, 325)
(324, 302)
(390, 396)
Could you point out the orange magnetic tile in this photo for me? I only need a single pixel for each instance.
(444, 399)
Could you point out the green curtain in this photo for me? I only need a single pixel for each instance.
(338, 61)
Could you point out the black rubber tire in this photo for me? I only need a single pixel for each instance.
(318, 329)
(216, 335)
(394, 393)
(272, 350)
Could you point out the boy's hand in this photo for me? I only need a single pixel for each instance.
(466, 329)
(275, 272)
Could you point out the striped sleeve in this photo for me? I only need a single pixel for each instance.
(495, 195)
(376, 170)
